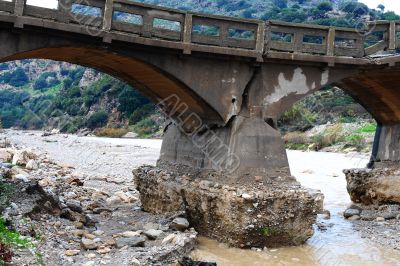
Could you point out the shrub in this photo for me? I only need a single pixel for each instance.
(140, 113)
(296, 140)
(97, 119)
(357, 141)
(328, 137)
(111, 132)
(146, 127)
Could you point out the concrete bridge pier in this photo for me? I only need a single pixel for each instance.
(387, 145)
(246, 147)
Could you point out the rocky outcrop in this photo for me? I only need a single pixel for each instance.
(256, 213)
(374, 186)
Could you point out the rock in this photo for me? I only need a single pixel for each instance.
(168, 239)
(72, 216)
(89, 236)
(5, 155)
(368, 215)
(74, 205)
(351, 212)
(78, 225)
(130, 135)
(153, 234)
(179, 224)
(380, 219)
(22, 157)
(377, 186)
(89, 244)
(72, 252)
(135, 262)
(354, 218)
(130, 234)
(32, 165)
(246, 196)
(103, 250)
(390, 215)
(126, 197)
(114, 200)
(98, 233)
(22, 177)
(189, 262)
(55, 131)
(136, 241)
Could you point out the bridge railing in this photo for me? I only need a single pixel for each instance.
(314, 39)
(124, 16)
(149, 21)
(384, 35)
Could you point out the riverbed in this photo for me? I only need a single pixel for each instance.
(335, 242)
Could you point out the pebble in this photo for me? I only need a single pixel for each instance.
(351, 212)
(179, 224)
(153, 234)
(136, 241)
(72, 252)
(88, 243)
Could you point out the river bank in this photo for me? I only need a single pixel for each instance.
(336, 241)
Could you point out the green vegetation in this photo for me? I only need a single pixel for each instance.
(367, 128)
(11, 239)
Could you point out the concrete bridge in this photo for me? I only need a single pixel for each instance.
(224, 81)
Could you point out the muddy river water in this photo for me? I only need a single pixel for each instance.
(340, 244)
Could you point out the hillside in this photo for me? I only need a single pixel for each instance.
(32, 90)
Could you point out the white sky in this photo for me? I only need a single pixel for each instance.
(391, 5)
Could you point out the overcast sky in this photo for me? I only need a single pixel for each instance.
(391, 5)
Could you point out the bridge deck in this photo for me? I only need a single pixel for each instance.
(123, 20)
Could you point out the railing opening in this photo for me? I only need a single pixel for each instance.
(206, 30)
(167, 24)
(374, 38)
(281, 37)
(313, 39)
(241, 34)
(53, 4)
(345, 43)
(124, 17)
(86, 10)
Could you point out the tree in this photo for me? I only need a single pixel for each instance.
(325, 7)
(19, 78)
(98, 119)
(381, 7)
(281, 3)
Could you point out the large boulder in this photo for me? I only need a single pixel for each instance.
(374, 186)
(242, 214)
(22, 157)
(5, 155)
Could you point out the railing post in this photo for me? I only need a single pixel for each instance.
(148, 21)
(19, 11)
(330, 42)
(187, 33)
(260, 41)
(392, 35)
(108, 15)
(64, 7)
(298, 41)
